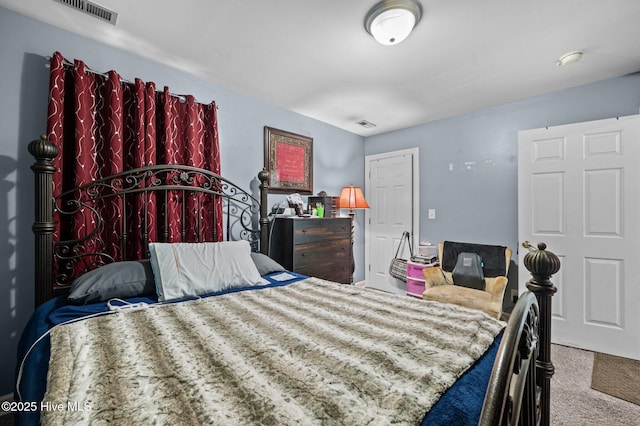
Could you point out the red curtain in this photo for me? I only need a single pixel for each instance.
(103, 125)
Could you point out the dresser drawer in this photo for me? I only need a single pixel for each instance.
(317, 247)
(308, 230)
(335, 270)
(320, 252)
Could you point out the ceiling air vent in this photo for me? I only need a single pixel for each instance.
(92, 9)
(365, 123)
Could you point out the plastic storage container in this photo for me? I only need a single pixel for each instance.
(427, 251)
(415, 288)
(415, 278)
(414, 270)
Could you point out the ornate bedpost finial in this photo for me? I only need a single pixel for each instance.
(263, 176)
(543, 264)
(42, 149)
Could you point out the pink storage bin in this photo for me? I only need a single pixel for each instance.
(414, 270)
(415, 287)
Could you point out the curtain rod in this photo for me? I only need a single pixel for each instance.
(67, 63)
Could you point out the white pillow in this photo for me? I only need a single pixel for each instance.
(193, 269)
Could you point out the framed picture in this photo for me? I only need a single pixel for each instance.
(288, 158)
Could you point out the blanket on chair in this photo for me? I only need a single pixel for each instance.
(493, 258)
(312, 352)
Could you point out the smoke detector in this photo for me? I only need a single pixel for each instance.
(92, 9)
(365, 123)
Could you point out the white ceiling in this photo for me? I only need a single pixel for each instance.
(315, 57)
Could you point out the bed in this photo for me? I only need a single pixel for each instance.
(261, 345)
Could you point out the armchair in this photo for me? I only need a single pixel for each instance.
(439, 285)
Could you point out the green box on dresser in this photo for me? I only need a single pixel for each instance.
(331, 205)
(317, 247)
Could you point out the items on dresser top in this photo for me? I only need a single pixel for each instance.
(319, 247)
(331, 205)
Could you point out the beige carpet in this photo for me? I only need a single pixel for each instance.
(574, 403)
(616, 376)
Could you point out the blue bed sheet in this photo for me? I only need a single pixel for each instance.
(460, 405)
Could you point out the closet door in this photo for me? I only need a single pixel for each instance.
(391, 192)
(579, 191)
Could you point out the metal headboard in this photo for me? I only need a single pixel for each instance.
(190, 190)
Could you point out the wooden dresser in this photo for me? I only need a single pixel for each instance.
(318, 247)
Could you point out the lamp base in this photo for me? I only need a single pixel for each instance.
(353, 261)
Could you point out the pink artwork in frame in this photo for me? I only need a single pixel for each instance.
(289, 161)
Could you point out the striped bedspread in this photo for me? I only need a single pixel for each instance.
(312, 352)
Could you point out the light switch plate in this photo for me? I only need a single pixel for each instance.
(432, 213)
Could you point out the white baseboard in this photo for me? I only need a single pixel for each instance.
(361, 284)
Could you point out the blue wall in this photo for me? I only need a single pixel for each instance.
(468, 164)
(25, 45)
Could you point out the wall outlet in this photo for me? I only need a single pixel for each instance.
(514, 295)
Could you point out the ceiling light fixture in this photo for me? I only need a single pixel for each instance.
(569, 58)
(391, 21)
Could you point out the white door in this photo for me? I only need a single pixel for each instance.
(391, 192)
(579, 192)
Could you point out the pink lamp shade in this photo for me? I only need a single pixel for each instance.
(352, 198)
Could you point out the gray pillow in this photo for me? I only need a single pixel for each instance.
(116, 280)
(265, 264)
